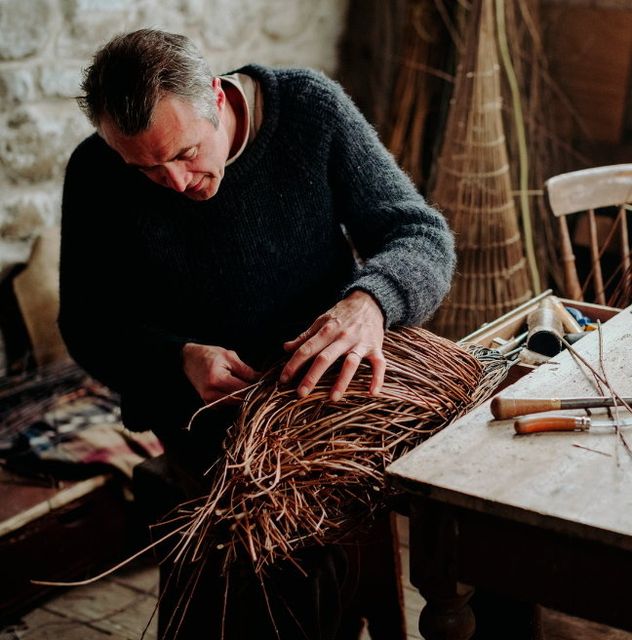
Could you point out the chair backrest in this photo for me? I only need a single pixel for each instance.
(582, 192)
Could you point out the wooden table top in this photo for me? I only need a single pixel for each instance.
(540, 479)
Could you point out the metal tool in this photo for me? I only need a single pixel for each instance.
(503, 408)
(545, 330)
(512, 344)
(538, 424)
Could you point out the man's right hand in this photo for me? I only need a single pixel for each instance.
(215, 372)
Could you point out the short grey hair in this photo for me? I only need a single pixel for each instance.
(132, 72)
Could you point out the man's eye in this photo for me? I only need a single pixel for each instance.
(189, 154)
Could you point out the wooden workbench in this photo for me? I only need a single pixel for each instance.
(544, 518)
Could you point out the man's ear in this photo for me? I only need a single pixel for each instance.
(220, 96)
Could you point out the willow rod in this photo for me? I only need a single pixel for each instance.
(527, 228)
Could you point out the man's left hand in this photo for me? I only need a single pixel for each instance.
(353, 328)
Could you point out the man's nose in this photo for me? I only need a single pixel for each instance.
(176, 177)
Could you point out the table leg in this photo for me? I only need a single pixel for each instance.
(433, 570)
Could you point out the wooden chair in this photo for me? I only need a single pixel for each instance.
(581, 193)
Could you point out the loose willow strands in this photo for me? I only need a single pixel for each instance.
(45, 377)
(548, 150)
(613, 395)
(26, 398)
(473, 187)
(418, 83)
(622, 295)
(602, 379)
(111, 570)
(521, 137)
(303, 471)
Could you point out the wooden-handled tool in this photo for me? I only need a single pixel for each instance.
(503, 408)
(568, 322)
(539, 424)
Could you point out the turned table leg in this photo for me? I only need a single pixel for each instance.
(433, 570)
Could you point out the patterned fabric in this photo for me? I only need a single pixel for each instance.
(78, 439)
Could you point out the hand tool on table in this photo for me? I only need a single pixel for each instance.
(503, 408)
(510, 346)
(569, 323)
(545, 329)
(539, 424)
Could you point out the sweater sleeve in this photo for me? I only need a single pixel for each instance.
(99, 319)
(406, 246)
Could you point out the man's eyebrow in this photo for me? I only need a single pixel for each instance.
(177, 155)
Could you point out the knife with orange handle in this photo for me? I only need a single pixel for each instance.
(540, 424)
(503, 408)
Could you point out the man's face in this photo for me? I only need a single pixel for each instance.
(180, 150)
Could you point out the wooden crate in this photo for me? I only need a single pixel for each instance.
(61, 533)
(513, 323)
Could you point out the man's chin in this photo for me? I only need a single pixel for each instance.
(199, 196)
(205, 193)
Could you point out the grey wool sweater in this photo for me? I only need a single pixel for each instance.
(145, 270)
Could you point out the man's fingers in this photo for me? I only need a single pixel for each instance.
(298, 359)
(243, 371)
(321, 348)
(218, 398)
(223, 386)
(321, 363)
(379, 369)
(349, 368)
(292, 345)
(354, 327)
(238, 368)
(230, 383)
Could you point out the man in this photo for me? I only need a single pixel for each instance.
(202, 237)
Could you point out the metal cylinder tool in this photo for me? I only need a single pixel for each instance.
(545, 330)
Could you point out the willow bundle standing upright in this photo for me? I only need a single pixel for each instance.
(473, 187)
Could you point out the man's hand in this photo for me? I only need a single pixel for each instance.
(354, 327)
(215, 372)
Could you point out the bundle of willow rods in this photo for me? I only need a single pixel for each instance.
(298, 472)
(472, 184)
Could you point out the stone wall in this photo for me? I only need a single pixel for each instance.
(44, 45)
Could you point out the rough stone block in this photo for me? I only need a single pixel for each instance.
(78, 7)
(301, 33)
(24, 28)
(307, 38)
(13, 252)
(22, 215)
(17, 86)
(37, 141)
(91, 23)
(230, 24)
(166, 18)
(82, 38)
(283, 21)
(60, 81)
